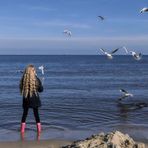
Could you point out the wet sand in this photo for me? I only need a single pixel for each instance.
(35, 144)
(38, 144)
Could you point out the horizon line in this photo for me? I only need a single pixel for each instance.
(62, 55)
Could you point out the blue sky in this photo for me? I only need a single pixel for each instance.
(36, 26)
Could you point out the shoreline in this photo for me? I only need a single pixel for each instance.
(51, 143)
(35, 144)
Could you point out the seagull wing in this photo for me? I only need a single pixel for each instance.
(65, 31)
(115, 50)
(133, 53)
(101, 17)
(125, 49)
(69, 33)
(143, 10)
(122, 97)
(140, 55)
(123, 91)
(101, 49)
(41, 67)
(135, 56)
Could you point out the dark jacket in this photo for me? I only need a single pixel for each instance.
(33, 101)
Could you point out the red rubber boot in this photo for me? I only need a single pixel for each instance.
(23, 125)
(39, 128)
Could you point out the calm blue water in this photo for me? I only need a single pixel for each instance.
(80, 96)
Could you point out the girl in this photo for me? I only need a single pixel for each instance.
(30, 85)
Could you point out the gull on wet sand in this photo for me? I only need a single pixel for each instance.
(109, 55)
(125, 94)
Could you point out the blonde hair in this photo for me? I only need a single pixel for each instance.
(28, 82)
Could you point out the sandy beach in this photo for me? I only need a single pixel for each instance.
(102, 140)
(38, 144)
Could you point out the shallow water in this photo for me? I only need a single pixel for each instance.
(80, 96)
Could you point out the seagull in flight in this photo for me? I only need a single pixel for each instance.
(136, 56)
(67, 32)
(144, 10)
(42, 69)
(109, 55)
(101, 17)
(125, 94)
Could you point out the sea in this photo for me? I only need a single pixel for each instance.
(80, 96)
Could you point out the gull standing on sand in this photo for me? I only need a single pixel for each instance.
(109, 55)
(101, 17)
(42, 69)
(144, 10)
(67, 32)
(125, 94)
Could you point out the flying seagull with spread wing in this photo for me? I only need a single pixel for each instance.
(109, 55)
(67, 32)
(144, 10)
(125, 94)
(136, 56)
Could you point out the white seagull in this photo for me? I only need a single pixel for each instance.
(144, 10)
(101, 17)
(67, 32)
(137, 56)
(109, 55)
(42, 69)
(125, 94)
